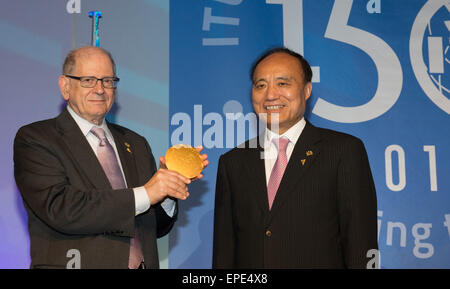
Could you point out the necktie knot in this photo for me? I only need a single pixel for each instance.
(100, 134)
(281, 143)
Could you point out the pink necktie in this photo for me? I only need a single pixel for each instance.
(110, 164)
(278, 169)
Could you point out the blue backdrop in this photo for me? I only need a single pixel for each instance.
(381, 72)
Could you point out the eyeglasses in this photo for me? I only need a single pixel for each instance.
(91, 81)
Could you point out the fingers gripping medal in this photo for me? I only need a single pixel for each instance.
(185, 160)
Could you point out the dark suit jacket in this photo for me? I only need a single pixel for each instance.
(324, 214)
(69, 200)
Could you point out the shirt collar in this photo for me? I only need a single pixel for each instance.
(292, 134)
(86, 126)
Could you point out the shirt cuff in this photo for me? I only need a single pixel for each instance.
(141, 201)
(169, 206)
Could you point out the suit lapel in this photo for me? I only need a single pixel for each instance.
(255, 168)
(303, 156)
(80, 151)
(126, 154)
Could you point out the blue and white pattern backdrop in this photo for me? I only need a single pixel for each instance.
(381, 72)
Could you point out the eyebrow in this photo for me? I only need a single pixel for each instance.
(285, 78)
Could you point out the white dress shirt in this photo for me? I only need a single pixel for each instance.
(142, 202)
(271, 151)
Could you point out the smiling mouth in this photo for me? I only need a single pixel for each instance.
(273, 107)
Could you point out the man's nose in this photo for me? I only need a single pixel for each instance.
(272, 92)
(99, 87)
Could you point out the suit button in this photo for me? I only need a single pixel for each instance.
(268, 233)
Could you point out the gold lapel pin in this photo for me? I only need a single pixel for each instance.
(128, 147)
(309, 153)
(303, 162)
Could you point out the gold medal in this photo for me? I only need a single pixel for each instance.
(185, 160)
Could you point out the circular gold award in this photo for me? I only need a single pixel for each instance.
(185, 160)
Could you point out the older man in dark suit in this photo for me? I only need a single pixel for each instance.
(90, 187)
(304, 197)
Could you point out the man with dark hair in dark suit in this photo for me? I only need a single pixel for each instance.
(90, 187)
(304, 197)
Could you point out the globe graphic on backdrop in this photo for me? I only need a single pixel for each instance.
(437, 50)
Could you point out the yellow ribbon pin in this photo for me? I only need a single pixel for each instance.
(303, 162)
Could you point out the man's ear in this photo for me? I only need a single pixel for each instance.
(63, 83)
(307, 90)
